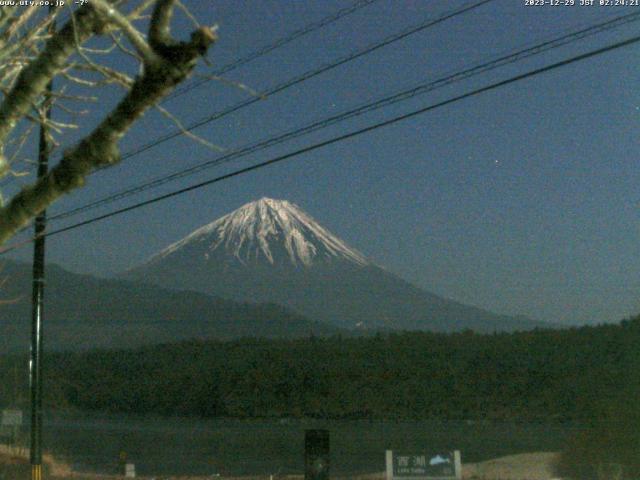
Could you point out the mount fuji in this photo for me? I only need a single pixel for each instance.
(272, 251)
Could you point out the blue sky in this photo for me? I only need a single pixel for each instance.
(523, 200)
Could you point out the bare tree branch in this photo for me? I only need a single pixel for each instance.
(160, 30)
(169, 65)
(34, 78)
(140, 9)
(134, 36)
(186, 132)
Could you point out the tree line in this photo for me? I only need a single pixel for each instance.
(586, 374)
(543, 374)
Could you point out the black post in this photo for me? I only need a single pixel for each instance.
(316, 455)
(35, 364)
(37, 298)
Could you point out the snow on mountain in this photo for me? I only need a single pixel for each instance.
(258, 231)
(271, 251)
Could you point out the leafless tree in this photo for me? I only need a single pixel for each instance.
(32, 54)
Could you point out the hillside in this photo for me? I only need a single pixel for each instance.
(84, 312)
(546, 374)
(272, 251)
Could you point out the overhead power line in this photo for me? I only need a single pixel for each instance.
(281, 42)
(341, 138)
(368, 107)
(310, 74)
(305, 30)
(304, 77)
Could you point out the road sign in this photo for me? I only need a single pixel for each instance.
(424, 465)
(11, 418)
(130, 470)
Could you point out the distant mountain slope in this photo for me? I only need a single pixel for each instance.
(82, 312)
(272, 251)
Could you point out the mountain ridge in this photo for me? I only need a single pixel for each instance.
(84, 312)
(249, 255)
(245, 233)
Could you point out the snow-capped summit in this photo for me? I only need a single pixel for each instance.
(266, 230)
(271, 251)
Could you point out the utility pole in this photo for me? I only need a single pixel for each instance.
(35, 363)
